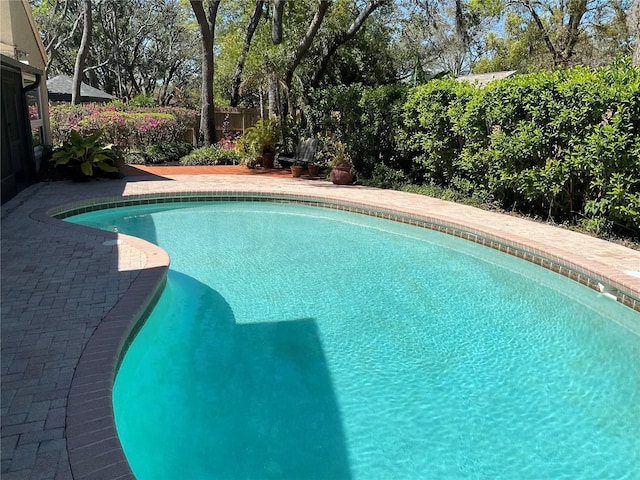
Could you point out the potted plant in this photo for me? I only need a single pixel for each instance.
(296, 170)
(248, 150)
(266, 134)
(340, 163)
(83, 156)
(313, 169)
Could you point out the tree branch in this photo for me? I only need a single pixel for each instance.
(342, 38)
(306, 42)
(251, 28)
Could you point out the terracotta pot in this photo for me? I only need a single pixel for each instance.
(267, 160)
(313, 169)
(341, 175)
(296, 171)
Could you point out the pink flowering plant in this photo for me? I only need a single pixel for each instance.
(125, 127)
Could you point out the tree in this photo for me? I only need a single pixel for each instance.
(82, 52)
(562, 48)
(305, 44)
(341, 38)
(602, 35)
(207, 25)
(59, 21)
(563, 24)
(445, 35)
(276, 29)
(132, 56)
(251, 28)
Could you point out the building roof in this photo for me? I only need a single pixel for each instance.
(60, 89)
(484, 78)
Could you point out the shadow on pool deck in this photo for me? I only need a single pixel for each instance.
(201, 395)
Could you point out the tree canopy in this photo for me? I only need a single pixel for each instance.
(271, 53)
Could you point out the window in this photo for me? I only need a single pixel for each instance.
(34, 104)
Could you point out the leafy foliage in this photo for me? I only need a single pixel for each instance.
(427, 133)
(213, 155)
(266, 134)
(365, 119)
(166, 152)
(84, 154)
(559, 144)
(124, 126)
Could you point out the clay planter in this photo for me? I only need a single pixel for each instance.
(313, 169)
(296, 170)
(341, 175)
(267, 160)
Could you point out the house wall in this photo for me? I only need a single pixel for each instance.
(20, 40)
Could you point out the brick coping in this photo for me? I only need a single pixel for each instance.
(94, 448)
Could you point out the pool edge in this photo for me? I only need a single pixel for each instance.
(93, 445)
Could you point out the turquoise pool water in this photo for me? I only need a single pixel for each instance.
(295, 342)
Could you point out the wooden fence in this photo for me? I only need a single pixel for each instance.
(237, 120)
(229, 120)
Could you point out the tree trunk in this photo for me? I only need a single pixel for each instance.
(59, 39)
(276, 26)
(634, 26)
(251, 28)
(342, 38)
(82, 53)
(207, 26)
(305, 44)
(273, 96)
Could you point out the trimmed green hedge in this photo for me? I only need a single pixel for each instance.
(561, 144)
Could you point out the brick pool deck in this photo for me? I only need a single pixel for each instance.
(71, 295)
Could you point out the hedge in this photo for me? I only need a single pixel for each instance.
(125, 127)
(561, 144)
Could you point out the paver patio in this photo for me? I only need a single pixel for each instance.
(63, 285)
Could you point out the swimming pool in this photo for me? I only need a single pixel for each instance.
(294, 342)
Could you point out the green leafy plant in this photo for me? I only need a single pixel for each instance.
(337, 155)
(248, 150)
(86, 154)
(266, 134)
(214, 155)
(166, 152)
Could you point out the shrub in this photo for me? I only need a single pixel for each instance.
(366, 120)
(212, 156)
(428, 135)
(124, 126)
(167, 152)
(385, 177)
(85, 155)
(559, 144)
